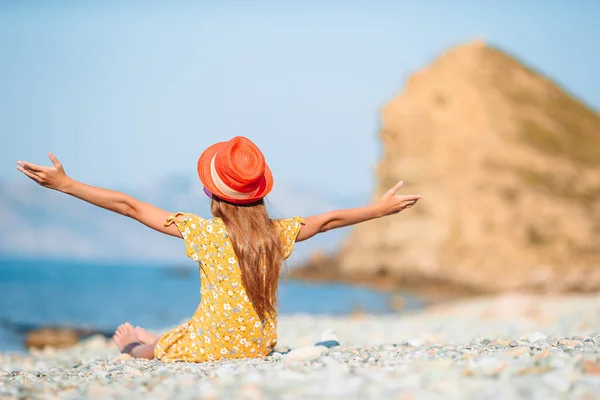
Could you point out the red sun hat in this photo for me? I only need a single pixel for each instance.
(235, 171)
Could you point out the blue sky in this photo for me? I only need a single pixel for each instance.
(127, 93)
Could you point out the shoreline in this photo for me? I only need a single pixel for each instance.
(431, 290)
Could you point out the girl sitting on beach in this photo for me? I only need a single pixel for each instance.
(240, 251)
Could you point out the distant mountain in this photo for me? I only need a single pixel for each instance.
(508, 164)
(44, 223)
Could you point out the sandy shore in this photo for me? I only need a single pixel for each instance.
(507, 347)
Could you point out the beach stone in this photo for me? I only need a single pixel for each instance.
(101, 374)
(448, 388)
(328, 344)
(95, 342)
(487, 366)
(542, 354)
(281, 349)
(416, 342)
(305, 354)
(95, 390)
(122, 358)
(250, 392)
(343, 388)
(569, 343)
(291, 375)
(591, 367)
(51, 337)
(540, 345)
(411, 380)
(132, 371)
(513, 343)
(97, 367)
(537, 336)
(206, 390)
(557, 381)
(222, 370)
(329, 335)
(518, 351)
(56, 371)
(561, 361)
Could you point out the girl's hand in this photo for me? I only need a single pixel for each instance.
(53, 177)
(391, 203)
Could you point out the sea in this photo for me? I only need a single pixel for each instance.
(100, 296)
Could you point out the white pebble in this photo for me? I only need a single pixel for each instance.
(305, 354)
(534, 337)
(488, 366)
(557, 381)
(416, 342)
(329, 335)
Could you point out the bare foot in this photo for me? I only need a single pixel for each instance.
(126, 338)
(145, 336)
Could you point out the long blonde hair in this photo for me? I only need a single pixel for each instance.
(257, 244)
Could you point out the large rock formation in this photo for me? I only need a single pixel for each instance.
(509, 168)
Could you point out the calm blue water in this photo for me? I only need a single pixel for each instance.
(103, 296)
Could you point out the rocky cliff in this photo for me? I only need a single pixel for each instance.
(508, 165)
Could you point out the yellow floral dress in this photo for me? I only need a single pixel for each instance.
(225, 324)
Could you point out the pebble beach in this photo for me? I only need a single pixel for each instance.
(507, 347)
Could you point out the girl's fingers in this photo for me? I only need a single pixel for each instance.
(53, 159)
(32, 167)
(393, 190)
(398, 186)
(410, 203)
(406, 200)
(410, 197)
(29, 174)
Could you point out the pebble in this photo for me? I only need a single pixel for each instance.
(304, 354)
(557, 381)
(518, 351)
(486, 366)
(122, 357)
(591, 367)
(97, 390)
(416, 342)
(542, 354)
(536, 336)
(569, 343)
(456, 351)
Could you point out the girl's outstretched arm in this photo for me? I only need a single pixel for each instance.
(55, 178)
(390, 203)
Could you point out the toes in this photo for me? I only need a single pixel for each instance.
(123, 329)
(126, 327)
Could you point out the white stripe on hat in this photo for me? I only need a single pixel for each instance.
(226, 190)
